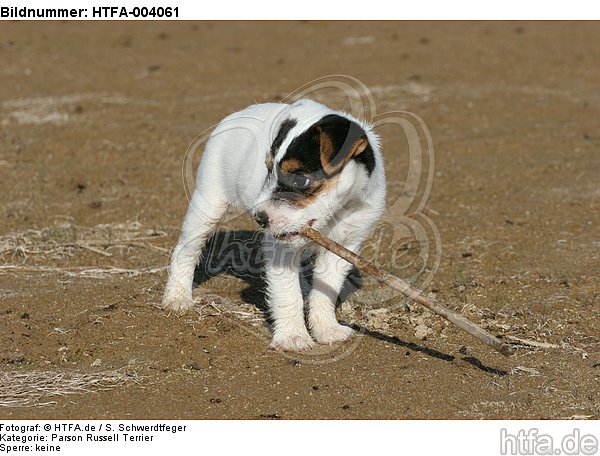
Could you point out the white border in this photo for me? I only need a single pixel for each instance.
(349, 9)
(453, 437)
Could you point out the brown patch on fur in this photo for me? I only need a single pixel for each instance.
(291, 165)
(327, 151)
(359, 147)
(328, 154)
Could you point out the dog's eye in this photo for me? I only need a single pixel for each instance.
(298, 183)
(301, 182)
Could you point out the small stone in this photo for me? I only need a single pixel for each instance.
(422, 331)
(346, 308)
(377, 318)
(97, 363)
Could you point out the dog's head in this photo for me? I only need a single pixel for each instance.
(312, 173)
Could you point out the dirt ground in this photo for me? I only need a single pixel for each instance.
(95, 121)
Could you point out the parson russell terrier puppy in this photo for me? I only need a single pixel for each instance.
(287, 165)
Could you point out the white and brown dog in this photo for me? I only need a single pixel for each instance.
(288, 165)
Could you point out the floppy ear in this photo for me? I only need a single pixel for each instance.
(339, 144)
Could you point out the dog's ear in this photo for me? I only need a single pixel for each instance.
(340, 140)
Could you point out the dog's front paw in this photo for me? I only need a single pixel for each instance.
(293, 342)
(332, 333)
(178, 304)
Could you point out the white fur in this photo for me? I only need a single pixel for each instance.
(233, 173)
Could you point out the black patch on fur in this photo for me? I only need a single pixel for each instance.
(306, 148)
(284, 129)
(367, 158)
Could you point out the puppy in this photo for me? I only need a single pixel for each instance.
(287, 165)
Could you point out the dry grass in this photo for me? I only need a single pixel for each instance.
(85, 272)
(213, 305)
(36, 389)
(64, 240)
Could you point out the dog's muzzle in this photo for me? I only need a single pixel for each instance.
(262, 219)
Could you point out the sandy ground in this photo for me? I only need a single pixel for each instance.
(95, 121)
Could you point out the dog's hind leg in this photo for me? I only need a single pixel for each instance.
(205, 211)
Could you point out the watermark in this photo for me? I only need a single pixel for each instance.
(533, 442)
(406, 242)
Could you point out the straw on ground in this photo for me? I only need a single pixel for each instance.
(41, 388)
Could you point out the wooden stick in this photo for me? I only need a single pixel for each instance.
(407, 290)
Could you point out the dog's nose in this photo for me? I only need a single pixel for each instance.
(262, 219)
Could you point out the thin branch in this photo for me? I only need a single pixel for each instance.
(408, 290)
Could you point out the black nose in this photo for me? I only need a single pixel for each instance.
(262, 219)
